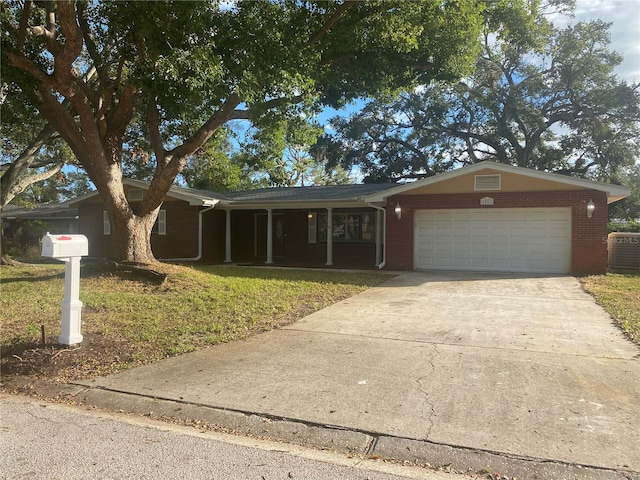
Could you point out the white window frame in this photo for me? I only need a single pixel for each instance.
(313, 227)
(160, 226)
(106, 225)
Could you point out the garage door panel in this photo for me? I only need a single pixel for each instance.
(523, 240)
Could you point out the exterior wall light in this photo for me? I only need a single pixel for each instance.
(590, 208)
(398, 211)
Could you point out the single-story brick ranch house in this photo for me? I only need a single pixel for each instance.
(486, 216)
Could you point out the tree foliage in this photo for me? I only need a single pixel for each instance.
(215, 167)
(32, 154)
(539, 98)
(186, 69)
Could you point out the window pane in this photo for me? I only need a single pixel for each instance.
(348, 227)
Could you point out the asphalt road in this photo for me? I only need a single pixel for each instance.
(52, 441)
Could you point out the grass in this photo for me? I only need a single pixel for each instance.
(619, 295)
(131, 319)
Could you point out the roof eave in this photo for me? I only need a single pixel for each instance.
(291, 205)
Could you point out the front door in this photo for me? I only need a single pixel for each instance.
(279, 235)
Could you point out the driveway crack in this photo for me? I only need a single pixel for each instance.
(423, 387)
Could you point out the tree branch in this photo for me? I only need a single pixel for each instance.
(153, 124)
(72, 48)
(22, 163)
(346, 5)
(225, 113)
(89, 41)
(20, 185)
(423, 158)
(24, 24)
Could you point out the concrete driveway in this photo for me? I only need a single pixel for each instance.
(515, 366)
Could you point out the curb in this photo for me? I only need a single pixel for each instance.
(324, 437)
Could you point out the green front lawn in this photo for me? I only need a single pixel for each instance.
(619, 295)
(131, 319)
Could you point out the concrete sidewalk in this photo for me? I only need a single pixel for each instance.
(525, 376)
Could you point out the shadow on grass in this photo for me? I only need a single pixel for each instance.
(338, 276)
(45, 278)
(102, 268)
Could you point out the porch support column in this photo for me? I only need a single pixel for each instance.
(227, 243)
(269, 236)
(329, 236)
(379, 234)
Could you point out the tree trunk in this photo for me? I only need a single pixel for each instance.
(131, 236)
(5, 258)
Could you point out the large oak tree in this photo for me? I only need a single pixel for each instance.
(183, 70)
(549, 102)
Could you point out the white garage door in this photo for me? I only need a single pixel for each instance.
(508, 240)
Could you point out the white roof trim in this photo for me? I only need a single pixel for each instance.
(614, 192)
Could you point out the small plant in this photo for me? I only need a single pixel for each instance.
(32, 330)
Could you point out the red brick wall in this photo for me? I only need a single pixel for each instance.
(588, 235)
(213, 233)
(180, 241)
(90, 225)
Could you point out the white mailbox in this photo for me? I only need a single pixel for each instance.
(64, 246)
(68, 248)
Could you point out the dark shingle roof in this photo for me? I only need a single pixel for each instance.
(47, 211)
(308, 194)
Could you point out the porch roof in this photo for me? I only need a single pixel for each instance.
(302, 197)
(45, 211)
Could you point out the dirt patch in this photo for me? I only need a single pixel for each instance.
(96, 355)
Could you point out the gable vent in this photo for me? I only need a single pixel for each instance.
(135, 194)
(487, 182)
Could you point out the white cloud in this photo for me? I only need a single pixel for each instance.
(625, 29)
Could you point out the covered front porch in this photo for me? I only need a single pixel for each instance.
(333, 236)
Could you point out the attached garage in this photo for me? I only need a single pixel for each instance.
(494, 217)
(536, 240)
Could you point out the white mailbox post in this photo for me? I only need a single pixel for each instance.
(69, 249)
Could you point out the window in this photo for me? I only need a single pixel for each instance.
(487, 182)
(160, 227)
(348, 227)
(313, 227)
(106, 226)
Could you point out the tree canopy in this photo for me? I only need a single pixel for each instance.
(547, 101)
(176, 72)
